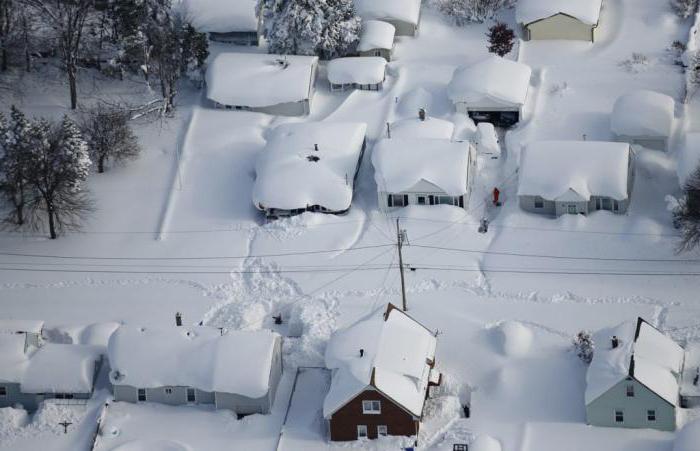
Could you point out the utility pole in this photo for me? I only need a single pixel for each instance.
(65, 425)
(400, 238)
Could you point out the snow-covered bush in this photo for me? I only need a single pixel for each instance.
(684, 8)
(467, 11)
(584, 346)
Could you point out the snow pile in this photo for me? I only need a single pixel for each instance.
(430, 128)
(551, 169)
(61, 368)
(13, 360)
(309, 164)
(414, 100)
(12, 326)
(361, 70)
(397, 352)
(197, 357)
(587, 11)
(376, 34)
(486, 140)
(657, 360)
(485, 443)
(493, 79)
(643, 113)
(399, 10)
(401, 163)
(688, 158)
(258, 80)
(515, 338)
(221, 16)
(688, 439)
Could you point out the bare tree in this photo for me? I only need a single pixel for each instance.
(687, 215)
(108, 135)
(8, 13)
(501, 39)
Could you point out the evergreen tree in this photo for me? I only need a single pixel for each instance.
(584, 346)
(14, 165)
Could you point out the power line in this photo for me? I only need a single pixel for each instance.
(107, 271)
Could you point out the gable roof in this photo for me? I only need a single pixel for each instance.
(399, 10)
(236, 362)
(430, 128)
(552, 169)
(397, 355)
(401, 163)
(644, 354)
(221, 16)
(287, 179)
(643, 113)
(586, 11)
(364, 70)
(376, 34)
(494, 78)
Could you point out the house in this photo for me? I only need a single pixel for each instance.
(182, 365)
(311, 166)
(492, 90)
(632, 381)
(423, 171)
(382, 368)
(559, 19)
(234, 22)
(422, 127)
(271, 84)
(644, 118)
(376, 39)
(31, 330)
(357, 72)
(404, 15)
(52, 371)
(690, 381)
(575, 177)
(688, 160)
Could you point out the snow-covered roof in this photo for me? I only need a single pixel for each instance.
(13, 360)
(399, 10)
(221, 16)
(643, 353)
(376, 34)
(401, 163)
(61, 368)
(587, 11)
(643, 113)
(397, 350)
(431, 127)
(494, 78)
(688, 157)
(259, 80)
(365, 70)
(235, 362)
(21, 325)
(553, 169)
(292, 174)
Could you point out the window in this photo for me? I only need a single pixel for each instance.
(630, 391)
(382, 430)
(371, 407)
(63, 396)
(572, 209)
(191, 397)
(377, 53)
(446, 200)
(539, 202)
(361, 431)
(607, 204)
(421, 200)
(168, 391)
(398, 200)
(616, 205)
(619, 416)
(141, 394)
(3, 391)
(651, 415)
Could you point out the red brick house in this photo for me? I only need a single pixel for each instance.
(382, 369)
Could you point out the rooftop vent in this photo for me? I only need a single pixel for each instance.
(421, 114)
(614, 341)
(313, 158)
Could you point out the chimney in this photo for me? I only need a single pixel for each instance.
(178, 319)
(421, 114)
(316, 147)
(615, 341)
(362, 352)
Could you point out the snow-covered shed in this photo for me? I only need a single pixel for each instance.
(422, 127)
(423, 171)
(273, 84)
(559, 19)
(492, 90)
(52, 371)
(644, 118)
(688, 158)
(234, 22)
(575, 177)
(309, 167)
(31, 330)
(376, 39)
(182, 365)
(404, 15)
(382, 368)
(633, 379)
(357, 72)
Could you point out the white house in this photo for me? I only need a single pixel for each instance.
(559, 19)
(357, 72)
(633, 379)
(492, 90)
(182, 365)
(404, 15)
(422, 171)
(234, 22)
(376, 39)
(688, 160)
(644, 118)
(575, 177)
(309, 167)
(273, 84)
